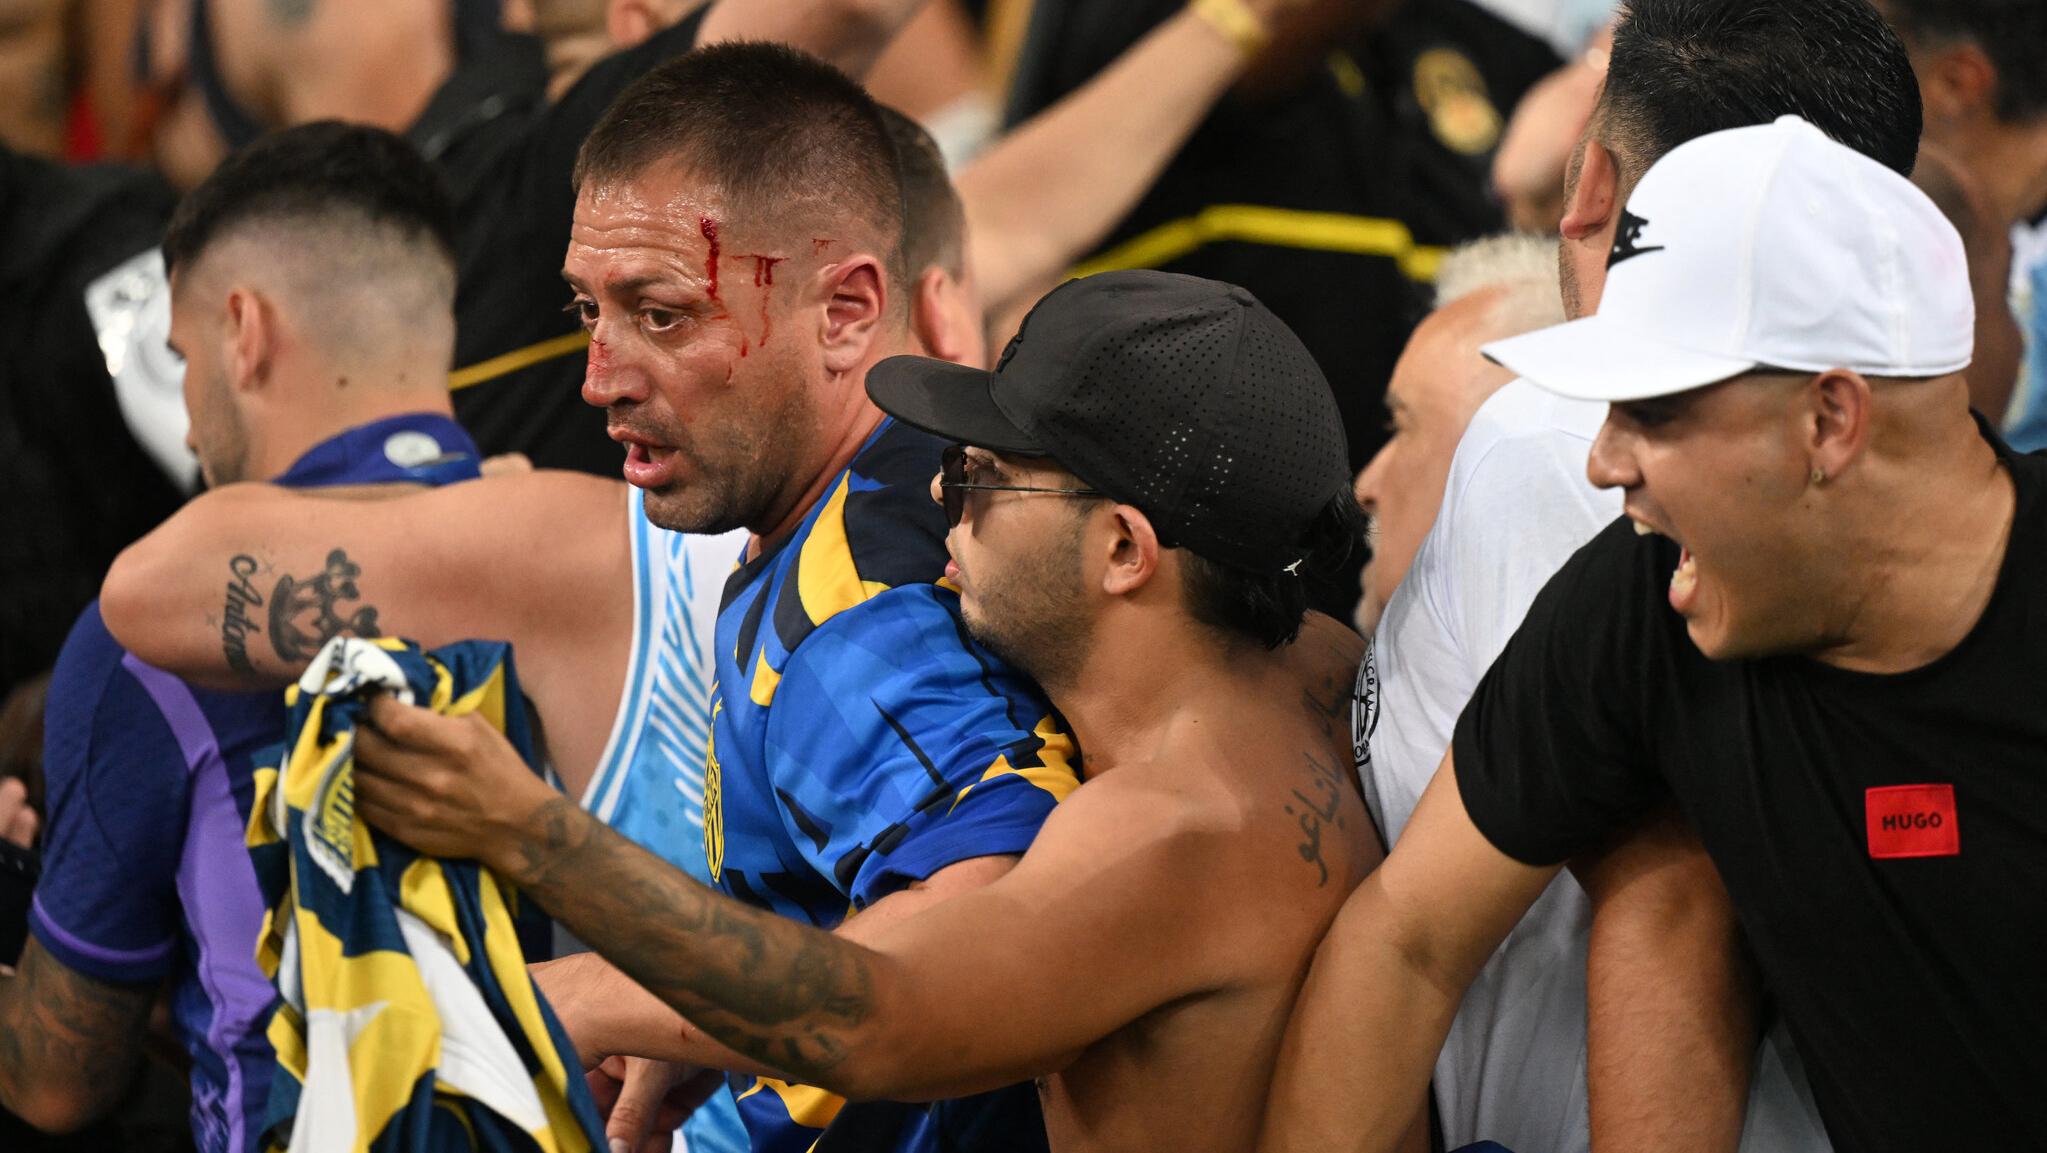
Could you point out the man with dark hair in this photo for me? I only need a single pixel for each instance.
(1979, 65)
(1805, 635)
(313, 282)
(1140, 420)
(1683, 68)
(1666, 972)
(736, 258)
(945, 304)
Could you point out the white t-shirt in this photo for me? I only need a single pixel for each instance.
(1516, 506)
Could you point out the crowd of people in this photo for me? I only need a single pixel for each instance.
(913, 575)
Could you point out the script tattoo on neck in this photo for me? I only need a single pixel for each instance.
(302, 614)
(1317, 813)
(787, 995)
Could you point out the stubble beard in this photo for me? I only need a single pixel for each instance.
(737, 480)
(1032, 616)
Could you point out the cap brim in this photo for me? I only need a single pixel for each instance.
(947, 400)
(1598, 359)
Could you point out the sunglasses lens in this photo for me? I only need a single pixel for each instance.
(952, 473)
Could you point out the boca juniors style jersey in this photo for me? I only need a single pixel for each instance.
(131, 896)
(862, 742)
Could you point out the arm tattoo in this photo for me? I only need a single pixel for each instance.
(788, 995)
(303, 612)
(61, 1031)
(235, 622)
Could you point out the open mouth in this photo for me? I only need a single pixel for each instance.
(1684, 580)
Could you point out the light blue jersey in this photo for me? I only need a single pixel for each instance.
(2026, 420)
(649, 784)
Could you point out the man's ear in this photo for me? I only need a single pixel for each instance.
(1959, 82)
(1593, 196)
(1133, 552)
(1837, 431)
(856, 311)
(933, 317)
(250, 333)
(631, 23)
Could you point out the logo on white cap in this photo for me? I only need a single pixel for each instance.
(1627, 240)
(1779, 249)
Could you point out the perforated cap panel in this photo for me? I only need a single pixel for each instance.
(1186, 398)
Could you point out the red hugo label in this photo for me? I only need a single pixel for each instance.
(1913, 821)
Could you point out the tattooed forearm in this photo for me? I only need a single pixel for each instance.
(788, 995)
(68, 1043)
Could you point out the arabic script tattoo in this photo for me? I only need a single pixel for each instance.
(1317, 807)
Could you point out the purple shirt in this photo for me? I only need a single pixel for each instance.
(145, 874)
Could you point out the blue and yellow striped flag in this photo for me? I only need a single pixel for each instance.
(407, 1022)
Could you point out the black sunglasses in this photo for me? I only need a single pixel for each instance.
(952, 482)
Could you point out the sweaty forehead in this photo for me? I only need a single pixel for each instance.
(658, 209)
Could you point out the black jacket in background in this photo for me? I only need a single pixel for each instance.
(75, 487)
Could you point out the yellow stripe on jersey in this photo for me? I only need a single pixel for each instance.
(1278, 227)
(1055, 774)
(765, 681)
(826, 581)
(518, 358)
(809, 1107)
(383, 977)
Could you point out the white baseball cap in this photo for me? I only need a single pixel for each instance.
(1764, 247)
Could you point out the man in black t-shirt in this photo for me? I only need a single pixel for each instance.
(1812, 634)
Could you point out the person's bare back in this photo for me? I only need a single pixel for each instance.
(1258, 811)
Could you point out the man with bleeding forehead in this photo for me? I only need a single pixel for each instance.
(1813, 631)
(736, 257)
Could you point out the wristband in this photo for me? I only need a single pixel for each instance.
(18, 870)
(1235, 20)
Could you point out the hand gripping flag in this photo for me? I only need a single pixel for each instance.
(407, 1022)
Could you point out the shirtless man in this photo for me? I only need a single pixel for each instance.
(1155, 595)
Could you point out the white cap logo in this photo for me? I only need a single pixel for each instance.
(1775, 248)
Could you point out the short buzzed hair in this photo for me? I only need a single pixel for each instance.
(322, 174)
(1682, 69)
(934, 220)
(774, 129)
(2013, 33)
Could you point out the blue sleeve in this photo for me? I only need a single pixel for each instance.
(897, 746)
(106, 904)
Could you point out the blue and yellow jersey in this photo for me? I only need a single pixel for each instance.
(406, 1020)
(861, 742)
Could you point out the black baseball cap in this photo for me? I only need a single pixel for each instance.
(1183, 397)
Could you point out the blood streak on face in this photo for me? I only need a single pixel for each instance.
(709, 228)
(764, 279)
(600, 358)
(818, 244)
